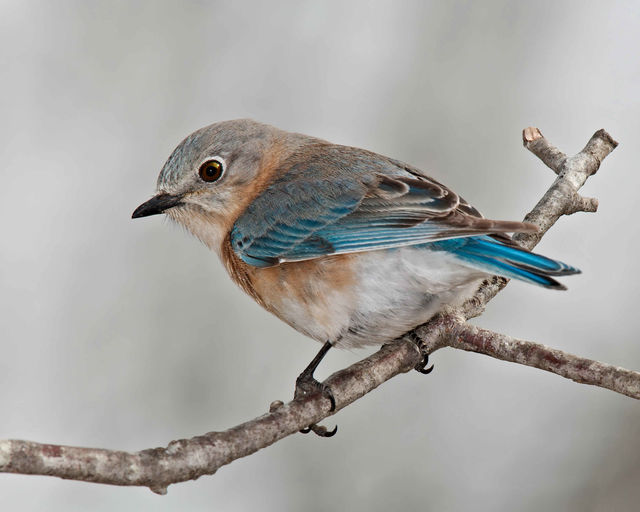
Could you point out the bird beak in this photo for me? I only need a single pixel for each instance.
(157, 204)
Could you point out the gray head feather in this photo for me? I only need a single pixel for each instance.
(240, 141)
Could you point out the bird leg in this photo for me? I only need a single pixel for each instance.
(307, 385)
(422, 365)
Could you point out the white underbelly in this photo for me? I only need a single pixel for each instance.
(394, 291)
(402, 288)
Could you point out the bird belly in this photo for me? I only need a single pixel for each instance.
(367, 298)
(399, 289)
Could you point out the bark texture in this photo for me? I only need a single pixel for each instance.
(188, 459)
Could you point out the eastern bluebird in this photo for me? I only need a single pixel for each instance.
(347, 246)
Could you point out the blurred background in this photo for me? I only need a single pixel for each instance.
(126, 335)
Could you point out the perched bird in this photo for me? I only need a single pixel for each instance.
(347, 246)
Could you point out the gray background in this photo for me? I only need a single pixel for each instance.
(127, 334)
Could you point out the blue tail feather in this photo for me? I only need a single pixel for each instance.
(493, 256)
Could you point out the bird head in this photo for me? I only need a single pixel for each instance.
(211, 175)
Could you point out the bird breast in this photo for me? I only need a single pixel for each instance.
(358, 299)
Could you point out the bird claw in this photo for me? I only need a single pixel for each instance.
(306, 385)
(421, 367)
(320, 430)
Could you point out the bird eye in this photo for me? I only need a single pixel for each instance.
(211, 171)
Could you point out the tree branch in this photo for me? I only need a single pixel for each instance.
(188, 459)
(579, 369)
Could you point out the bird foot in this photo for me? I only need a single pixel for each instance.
(307, 385)
(422, 365)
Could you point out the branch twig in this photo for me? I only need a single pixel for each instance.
(188, 459)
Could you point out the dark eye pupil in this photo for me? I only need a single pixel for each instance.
(211, 171)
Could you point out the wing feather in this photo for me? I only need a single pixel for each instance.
(351, 200)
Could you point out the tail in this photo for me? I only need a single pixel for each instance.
(495, 257)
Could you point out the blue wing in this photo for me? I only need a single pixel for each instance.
(350, 200)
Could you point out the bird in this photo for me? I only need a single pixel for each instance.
(349, 247)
